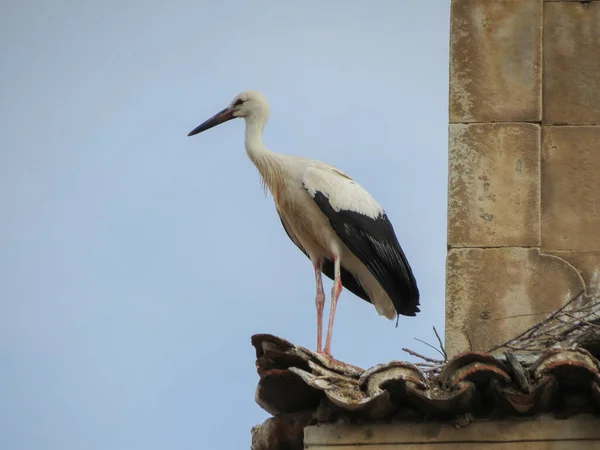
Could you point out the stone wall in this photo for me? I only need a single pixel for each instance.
(524, 165)
(581, 433)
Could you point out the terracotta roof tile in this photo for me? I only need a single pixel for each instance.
(294, 379)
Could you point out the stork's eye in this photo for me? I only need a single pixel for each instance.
(238, 102)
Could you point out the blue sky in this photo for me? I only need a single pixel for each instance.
(137, 262)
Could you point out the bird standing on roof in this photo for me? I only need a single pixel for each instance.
(336, 223)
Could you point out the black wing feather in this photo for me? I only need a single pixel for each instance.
(374, 242)
(348, 280)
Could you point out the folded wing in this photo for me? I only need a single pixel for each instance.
(361, 223)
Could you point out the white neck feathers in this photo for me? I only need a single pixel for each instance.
(266, 161)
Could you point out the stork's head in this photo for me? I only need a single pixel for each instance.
(251, 105)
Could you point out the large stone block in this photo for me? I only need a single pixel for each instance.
(492, 295)
(494, 185)
(572, 63)
(495, 62)
(587, 264)
(571, 188)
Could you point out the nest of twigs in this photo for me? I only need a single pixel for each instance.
(575, 325)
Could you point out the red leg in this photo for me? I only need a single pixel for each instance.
(336, 290)
(320, 302)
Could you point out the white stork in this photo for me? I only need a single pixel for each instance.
(334, 221)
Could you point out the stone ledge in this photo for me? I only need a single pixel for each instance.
(582, 433)
(567, 1)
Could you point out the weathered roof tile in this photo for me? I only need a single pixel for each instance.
(293, 379)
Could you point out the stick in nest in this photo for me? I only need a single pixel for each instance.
(441, 350)
(441, 345)
(423, 357)
(552, 330)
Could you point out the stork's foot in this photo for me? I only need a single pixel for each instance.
(339, 366)
(325, 353)
(329, 357)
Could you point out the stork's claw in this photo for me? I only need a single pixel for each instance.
(325, 353)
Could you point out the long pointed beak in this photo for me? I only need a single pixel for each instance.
(219, 118)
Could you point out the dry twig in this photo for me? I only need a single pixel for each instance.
(441, 344)
(570, 325)
(429, 345)
(431, 365)
(425, 358)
